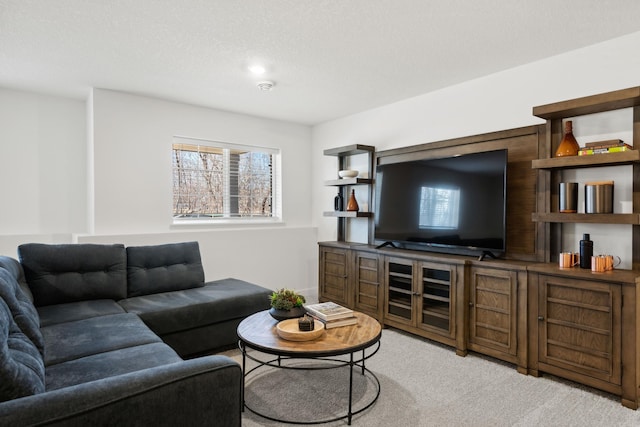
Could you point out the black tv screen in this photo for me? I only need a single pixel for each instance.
(454, 204)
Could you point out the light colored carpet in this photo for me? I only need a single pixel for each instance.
(426, 384)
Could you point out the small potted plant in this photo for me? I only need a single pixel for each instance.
(286, 304)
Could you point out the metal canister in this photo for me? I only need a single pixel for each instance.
(598, 197)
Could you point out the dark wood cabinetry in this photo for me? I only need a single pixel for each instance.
(584, 327)
(498, 311)
(579, 327)
(367, 282)
(524, 309)
(350, 275)
(421, 297)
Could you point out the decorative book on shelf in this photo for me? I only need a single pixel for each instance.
(328, 311)
(604, 147)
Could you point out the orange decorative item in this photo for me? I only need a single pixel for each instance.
(569, 146)
(352, 205)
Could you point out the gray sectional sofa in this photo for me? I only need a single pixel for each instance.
(108, 335)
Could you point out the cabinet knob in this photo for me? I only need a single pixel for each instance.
(540, 317)
(470, 304)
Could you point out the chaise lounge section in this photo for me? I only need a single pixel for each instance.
(99, 334)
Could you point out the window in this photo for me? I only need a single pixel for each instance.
(439, 208)
(218, 181)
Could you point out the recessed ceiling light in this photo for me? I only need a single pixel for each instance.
(257, 69)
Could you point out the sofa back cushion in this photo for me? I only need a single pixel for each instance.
(163, 268)
(14, 267)
(22, 309)
(21, 364)
(64, 273)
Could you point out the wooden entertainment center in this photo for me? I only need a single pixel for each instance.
(523, 308)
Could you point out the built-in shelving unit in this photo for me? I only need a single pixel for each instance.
(582, 325)
(344, 184)
(550, 168)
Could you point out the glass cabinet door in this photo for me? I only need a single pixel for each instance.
(436, 298)
(400, 290)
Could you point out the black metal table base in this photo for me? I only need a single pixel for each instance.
(282, 362)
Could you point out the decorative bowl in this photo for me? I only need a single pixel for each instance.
(288, 330)
(348, 173)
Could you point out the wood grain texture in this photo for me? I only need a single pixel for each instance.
(258, 331)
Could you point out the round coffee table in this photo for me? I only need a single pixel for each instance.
(359, 342)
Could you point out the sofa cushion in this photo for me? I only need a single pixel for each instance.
(24, 313)
(71, 311)
(21, 366)
(65, 273)
(217, 301)
(109, 364)
(14, 267)
(81, 338)
(163, 268)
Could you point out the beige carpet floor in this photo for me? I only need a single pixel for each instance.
(426, 384)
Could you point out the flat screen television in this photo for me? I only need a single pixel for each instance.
(455, 204)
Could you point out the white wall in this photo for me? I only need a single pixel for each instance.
(132, 138)
(496, 102)
(42, 147)
(273, 257)
(100, 171)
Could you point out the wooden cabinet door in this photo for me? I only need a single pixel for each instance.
(367, 283)
(333, 272)
(493, 309)
(580, 328)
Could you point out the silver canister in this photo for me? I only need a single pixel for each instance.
(598, 197)
(568, 197)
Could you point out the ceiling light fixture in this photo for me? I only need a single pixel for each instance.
(257, 69)
(266, 85)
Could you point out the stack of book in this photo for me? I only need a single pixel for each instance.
(604, 147)
(332, 315)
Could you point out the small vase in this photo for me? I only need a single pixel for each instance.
(352, 205)
(337, 202)
(569, 146)
(287, 314)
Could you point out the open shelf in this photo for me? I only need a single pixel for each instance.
(348, 181)
(348, 214)
(349, 150)
(623, 98)
(615, 218)
(344, 217)
(569, 162)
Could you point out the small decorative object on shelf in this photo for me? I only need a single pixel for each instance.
(352, 205)
(586, 251)
(568, 197)
(286, 304)
(598, 197)
(348, 173)
(306, 323)
(604, 147)
(338, 202)
(569, 146)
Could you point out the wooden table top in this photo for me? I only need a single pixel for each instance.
(258, 331)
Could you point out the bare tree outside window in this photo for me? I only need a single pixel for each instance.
(220, 180)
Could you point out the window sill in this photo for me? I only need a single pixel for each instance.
(215, 223)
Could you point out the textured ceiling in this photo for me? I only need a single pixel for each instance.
(328, 58)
